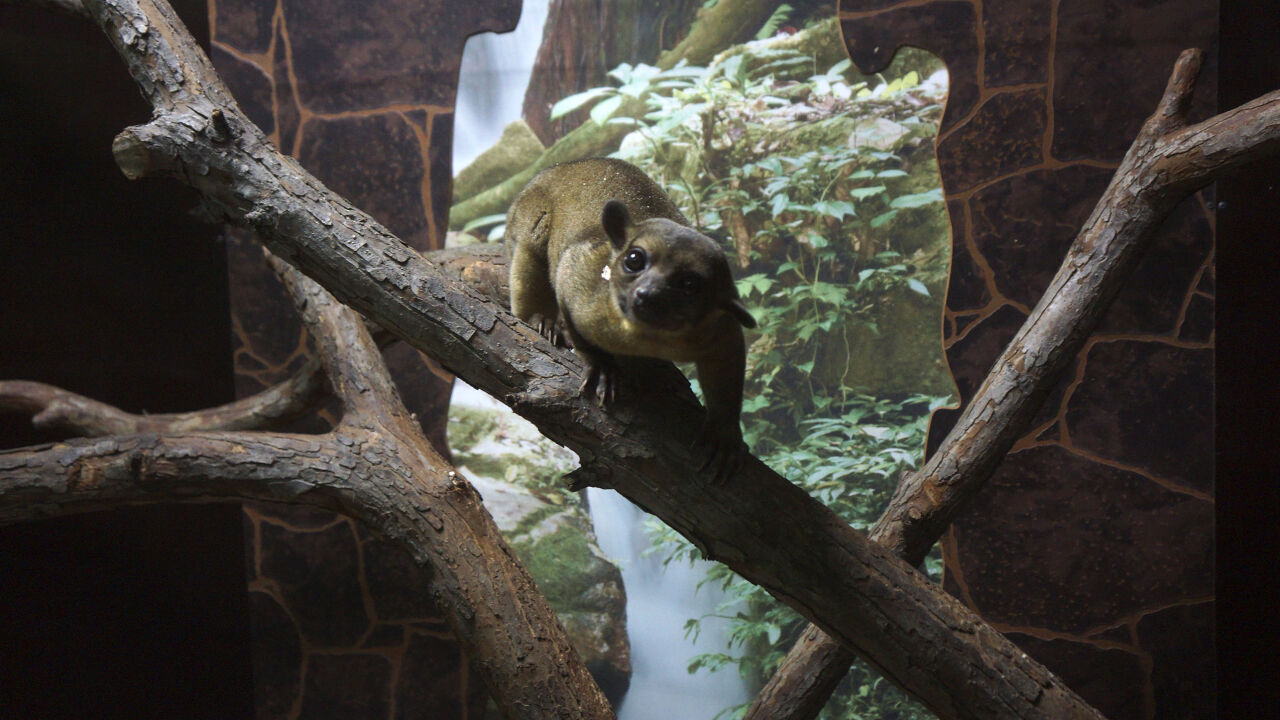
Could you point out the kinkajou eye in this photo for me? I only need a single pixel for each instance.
(634, 261)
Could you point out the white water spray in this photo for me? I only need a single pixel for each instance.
(659, 601)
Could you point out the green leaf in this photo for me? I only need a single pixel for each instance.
(683, 70)
(779, 204)
(772, 164)
(731, 67)
(601, 112)
(622, 73)
(635, 88)
(883, 218)
(839, 209)
(865, 192)
(891, 173)
(918, 199)
(918, 286)
(577, 100)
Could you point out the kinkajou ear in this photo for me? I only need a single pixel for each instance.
(615, 219)
(741, 314)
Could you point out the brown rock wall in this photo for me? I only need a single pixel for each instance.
(1093, 544)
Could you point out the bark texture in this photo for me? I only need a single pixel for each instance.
(853, 589)
(762, 526)
(1168, 161)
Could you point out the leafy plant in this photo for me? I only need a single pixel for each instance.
(823, 188)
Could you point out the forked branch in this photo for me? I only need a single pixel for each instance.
(762, 526)
(63, 411)
(375, 466)
(1167, 161)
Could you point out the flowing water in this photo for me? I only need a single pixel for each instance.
(491, 83)
(493, 77)
(659, 601)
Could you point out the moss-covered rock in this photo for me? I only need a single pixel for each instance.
(518, 472)
(518, 148)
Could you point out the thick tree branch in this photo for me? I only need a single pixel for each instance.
(764, 527)
(60, 410)
(1167, 161)
(398, 491)
(377, 467)
(371, 403)
(789, 543)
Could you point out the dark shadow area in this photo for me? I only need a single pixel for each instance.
(1247, 391)
(110, 288)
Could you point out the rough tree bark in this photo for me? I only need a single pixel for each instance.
(762, 526)
(1168, 161)
(375, 466)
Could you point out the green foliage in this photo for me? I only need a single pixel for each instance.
(818, 182)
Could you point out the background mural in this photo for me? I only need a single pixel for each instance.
(1092, 548)
(1043, 98)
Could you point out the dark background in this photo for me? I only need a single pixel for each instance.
(111, 290)
(1248, 322)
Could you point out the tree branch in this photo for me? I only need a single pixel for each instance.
(804, 554)
(61, 410)
(1167, 161)
(398, 491)
(788, 543)
(377, 467)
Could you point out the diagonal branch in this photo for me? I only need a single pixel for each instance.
(762, 526)
(790, 544)
(347, 351)
(1167, 161)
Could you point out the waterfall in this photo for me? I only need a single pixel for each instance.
(492, 80)
(659, 601)
(491, 83)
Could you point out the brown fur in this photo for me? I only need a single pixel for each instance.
(577, 234)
